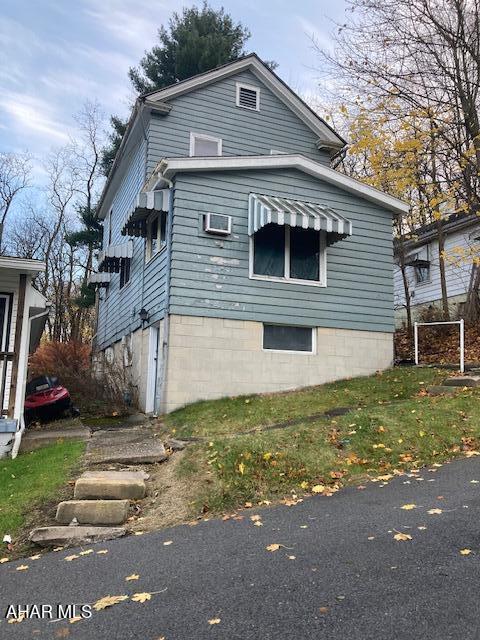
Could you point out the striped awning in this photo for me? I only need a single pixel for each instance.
(109, 259)
(263, 210)
(101, 279)
(146, 202)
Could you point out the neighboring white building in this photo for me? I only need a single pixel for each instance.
(22, 319)
(462, 233)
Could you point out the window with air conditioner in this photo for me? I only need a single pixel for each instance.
(248, 97)
(217, 224)
(203, 145)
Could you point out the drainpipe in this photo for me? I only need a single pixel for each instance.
(166, 318)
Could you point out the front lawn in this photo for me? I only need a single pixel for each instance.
(243, 413)
(395, 426)
(31, 479)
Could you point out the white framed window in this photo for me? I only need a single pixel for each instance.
(289, 254)
(156, 234)
(248, 96)
(204, 145)
(291, 339)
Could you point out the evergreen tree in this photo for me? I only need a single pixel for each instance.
(196, 40)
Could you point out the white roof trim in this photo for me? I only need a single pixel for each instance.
(22, 264)
(327, 136)
(170, 166)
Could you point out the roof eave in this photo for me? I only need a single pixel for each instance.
(170, 166)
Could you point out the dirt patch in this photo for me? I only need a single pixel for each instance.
(169, 498)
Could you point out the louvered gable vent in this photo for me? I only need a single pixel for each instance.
(248, 97)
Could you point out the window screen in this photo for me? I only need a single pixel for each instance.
(304, 254)
(204, 147)
(287, 338)
(269, 251)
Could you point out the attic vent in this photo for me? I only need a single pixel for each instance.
(248, 97)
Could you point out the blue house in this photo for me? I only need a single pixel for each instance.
(235, 259)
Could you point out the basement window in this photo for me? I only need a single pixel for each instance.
(285, 338)
(248, 97)
(203, 145)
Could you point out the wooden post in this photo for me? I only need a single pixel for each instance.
(22, 288)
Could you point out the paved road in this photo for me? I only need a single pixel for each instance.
(341, 584)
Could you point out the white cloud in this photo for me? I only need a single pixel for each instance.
(29, 113)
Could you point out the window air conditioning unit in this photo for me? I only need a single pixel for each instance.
(218, 224)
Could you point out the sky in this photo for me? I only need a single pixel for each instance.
(56, 54)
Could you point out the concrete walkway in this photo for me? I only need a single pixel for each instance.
(335, 571)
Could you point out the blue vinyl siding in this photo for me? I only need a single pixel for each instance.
(210, 275)
(118, 309)
(212, 110)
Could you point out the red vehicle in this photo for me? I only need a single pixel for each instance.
(46, 400)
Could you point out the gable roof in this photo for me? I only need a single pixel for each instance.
(327, 137)
(168, 167)
(452, 223)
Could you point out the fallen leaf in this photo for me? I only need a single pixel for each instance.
(102, 551)
(138, 533)
(323, 610)
(16, 619)
(433, 512)
(291, 557)
(273, 547)
(318, 488)
(2, 560)
(86, 552)
(421, 528)
(141, 597)
(58, 549)
(36, 557)
(214, 621)
(304, 526)
(255, 518)
(241, 468)
(75, 619)
(167, 543)
(248, 505)
(304, 485)
(258, 523)
(22, 567)
(402, 536)
(408, 507)
(108, 601)
(474, 481)
(465, 552)
(371, 538)
(134, 576)
(62, 633)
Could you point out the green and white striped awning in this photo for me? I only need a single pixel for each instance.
(263, 210)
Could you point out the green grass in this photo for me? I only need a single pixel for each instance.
(395, 429)
(242, 413)
(33, 478)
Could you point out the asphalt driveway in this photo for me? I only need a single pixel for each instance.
(339, 573)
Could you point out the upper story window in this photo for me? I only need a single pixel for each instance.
(124, 271)
(291, 254)
(109, 230)
(203, 145)
(248, 97)
(156, 234)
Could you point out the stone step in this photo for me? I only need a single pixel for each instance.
(98, 512)
(110, 485)
(33, 440)
(125, 446)
(58, 536)
(462, 381)
(440, 390)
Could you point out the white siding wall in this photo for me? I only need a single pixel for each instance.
(457, 275)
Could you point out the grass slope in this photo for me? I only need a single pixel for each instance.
(397, 427)
(33, 478)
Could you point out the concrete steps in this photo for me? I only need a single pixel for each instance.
(96, 512)
(110, 485)
(74, 536)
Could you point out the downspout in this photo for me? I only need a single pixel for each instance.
(166, 318)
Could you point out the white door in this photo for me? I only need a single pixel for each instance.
(5, 361)
(153, 368)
